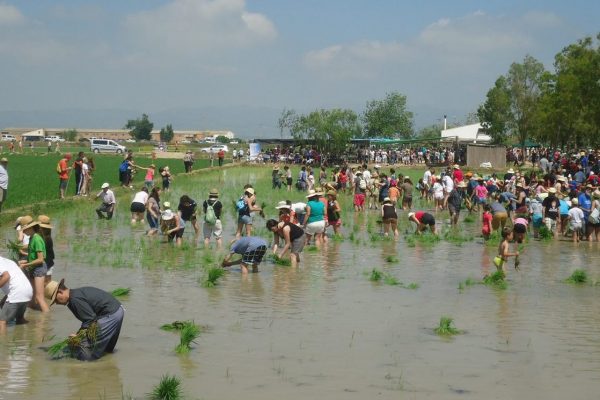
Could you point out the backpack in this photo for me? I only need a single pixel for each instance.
(362, 184)
(594, 216)
(58, 168)
(240, 205)
(210, 217)
(123, 166)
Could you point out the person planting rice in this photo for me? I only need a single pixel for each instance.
(486, 221)
(100, 314)
(108, 202)
(550, 211)
(212, 208)
(17, 294)
(292, 235)
(314, 221)
(333, 212)
(251, 248)
(576, 220)
(138, 205)
(153, 211)
(46, 232)
(389, 217)
(187, 212)
(63, 174)
(455, 199)
(171, 225)
(423, 220)
(503, 250)
(245, 206)
(35, 265)
(499, 214)
(285, 211)
(407, 192)
(520, 229)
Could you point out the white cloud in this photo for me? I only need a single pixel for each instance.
(189, 27)
(10, 15)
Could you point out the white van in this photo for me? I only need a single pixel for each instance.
(8, 138)
(54, 139)
(106, 146)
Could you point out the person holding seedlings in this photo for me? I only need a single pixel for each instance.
(35, 265)
(212, 208)
(100, 314)
(166, 178)
(389, 217)
(153, 211)
(314, 221)
(46, 232)
(550, 211)
(108, 202)
(251, 248)
(63, 174)
(149, 178)
(576, 220)
(333, 212)
(407, 192)
(486, 220)
(292, 235)
(17, 294)
(187, 212)
(503, 250)
(455, 199)
(171, 225)
(138, 205)
(245, 206)
(423, 220)
(22, 237)
(520, 229)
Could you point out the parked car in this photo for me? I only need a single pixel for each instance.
(8, 138)
(130, 140)
(186, 141)
(54, 139)
(233, 142)
(215, 148)
(106, 146)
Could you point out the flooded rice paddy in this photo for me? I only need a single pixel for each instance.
(323, 330)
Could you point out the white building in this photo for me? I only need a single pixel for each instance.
(467, 134)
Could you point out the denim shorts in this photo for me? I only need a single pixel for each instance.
(39, 271)
(245, 219)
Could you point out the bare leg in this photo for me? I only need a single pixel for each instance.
(38, 285)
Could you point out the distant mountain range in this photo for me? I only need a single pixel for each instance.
(245, 121)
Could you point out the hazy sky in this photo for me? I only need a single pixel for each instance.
(161, 54)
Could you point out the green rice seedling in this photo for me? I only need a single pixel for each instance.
(427, 239)
(469, 219)
(14, 249)
(280, 261)
(337, 238)
(391, 280)
(58, 349)
(352, 236)
(70, 344)
(312, 249)
(494, 239)
(391, 259)
(376, 275)
(208, 258)
(412, 286)
(496, 280)
(375, 237)
(445, 328)
(578, 276)
(355, 228)
(457, 238)
(187, 336)
(461, 286)
(174, 326)
(470, 282)
(545, 233)
(212, 276)
(410, 241)
(120, 292)
(169, 388)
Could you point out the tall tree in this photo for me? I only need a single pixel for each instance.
(388, 117)
(494, 115)
(286, 120)
(331, 130)
(69, 135)
(141, 128)
(166, 133)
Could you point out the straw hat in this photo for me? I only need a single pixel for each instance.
(331, 192)
(387, 200)
(213, 193)
(276, 168)
(313, 193)
(589, 186)
(411, 214)
(167, 205)
(168, 215)
(23, 220)
(3, 160)
(596, 194)
(575, 201)
(51, 290)
(456, 166)
(377, 166)
(552, 190)
(283, 204)
(250, 190)
(561, 179)
(462, 184)
(510, 171)
(105, 185)
(44, 221)
(31, 224)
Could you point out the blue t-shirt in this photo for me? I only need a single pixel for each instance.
(563, 207)
(317, 210)
(246, 244)
(585, 202)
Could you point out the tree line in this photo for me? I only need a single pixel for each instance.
(559, 108)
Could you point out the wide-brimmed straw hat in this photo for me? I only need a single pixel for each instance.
(250, 190)
(283, 204)
(387, 200)
(44, 221)
(410, 214)
(23, 220)
(213, 193)
(510, 171)
(3, 160)
(51, 290)
(596, 194)
(462, 184)
(313, 193)
(552, 190)
(168, 215)
(31, 224)
(332, 192)
(574, 201)
(167, 205)
(276, 168)
(456, 166)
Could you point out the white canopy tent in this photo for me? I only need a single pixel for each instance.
(467, 134)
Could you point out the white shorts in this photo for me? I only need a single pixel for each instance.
(315, 227)
(210, 230)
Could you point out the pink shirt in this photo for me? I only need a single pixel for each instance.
(521, 221)
(481, 191)
(150, 174)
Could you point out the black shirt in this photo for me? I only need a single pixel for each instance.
(552, 206)
(216, 205)
(88, 304)
(187, 210)
(295, 231)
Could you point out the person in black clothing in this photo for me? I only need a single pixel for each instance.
(187, 211)
(293, 237)
(46, 231)
(78, 177)
(212, 219)
(92, 306)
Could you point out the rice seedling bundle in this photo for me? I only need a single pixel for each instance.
(14, 250)
(376, 275)
(469, 219)
(169, 388)
(187, 336)
(391, 259)
(578, 276)
(120, 292)
(446, 327)
(280, 261)
(72, 343)
(545, 233)
(212, 276)
(312, 248)
(496, 280)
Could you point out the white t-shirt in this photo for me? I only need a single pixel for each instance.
(438, 190)
(84, 169)
(18, 287)
(140, 197)
(366, 175)
(427, 177)
(576, 215)
(299, 208)
(448, 183)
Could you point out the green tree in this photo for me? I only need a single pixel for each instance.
(331, 130)
(166, 133)
(70, 135)
(494, 115)
(141, 128)
(388, 117)
(430, 132)
(222, 139)
(286, 120)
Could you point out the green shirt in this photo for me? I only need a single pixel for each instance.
(36, 244)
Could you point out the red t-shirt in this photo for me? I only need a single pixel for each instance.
(64, 174)
(419, 215)
(458, 175)
(487, 223)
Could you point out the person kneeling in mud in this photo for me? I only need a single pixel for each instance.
(251, 248)
(101, 315)
(293, 237)
(503, 250)
(423, 220)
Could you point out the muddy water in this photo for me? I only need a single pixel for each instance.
(322, 330)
